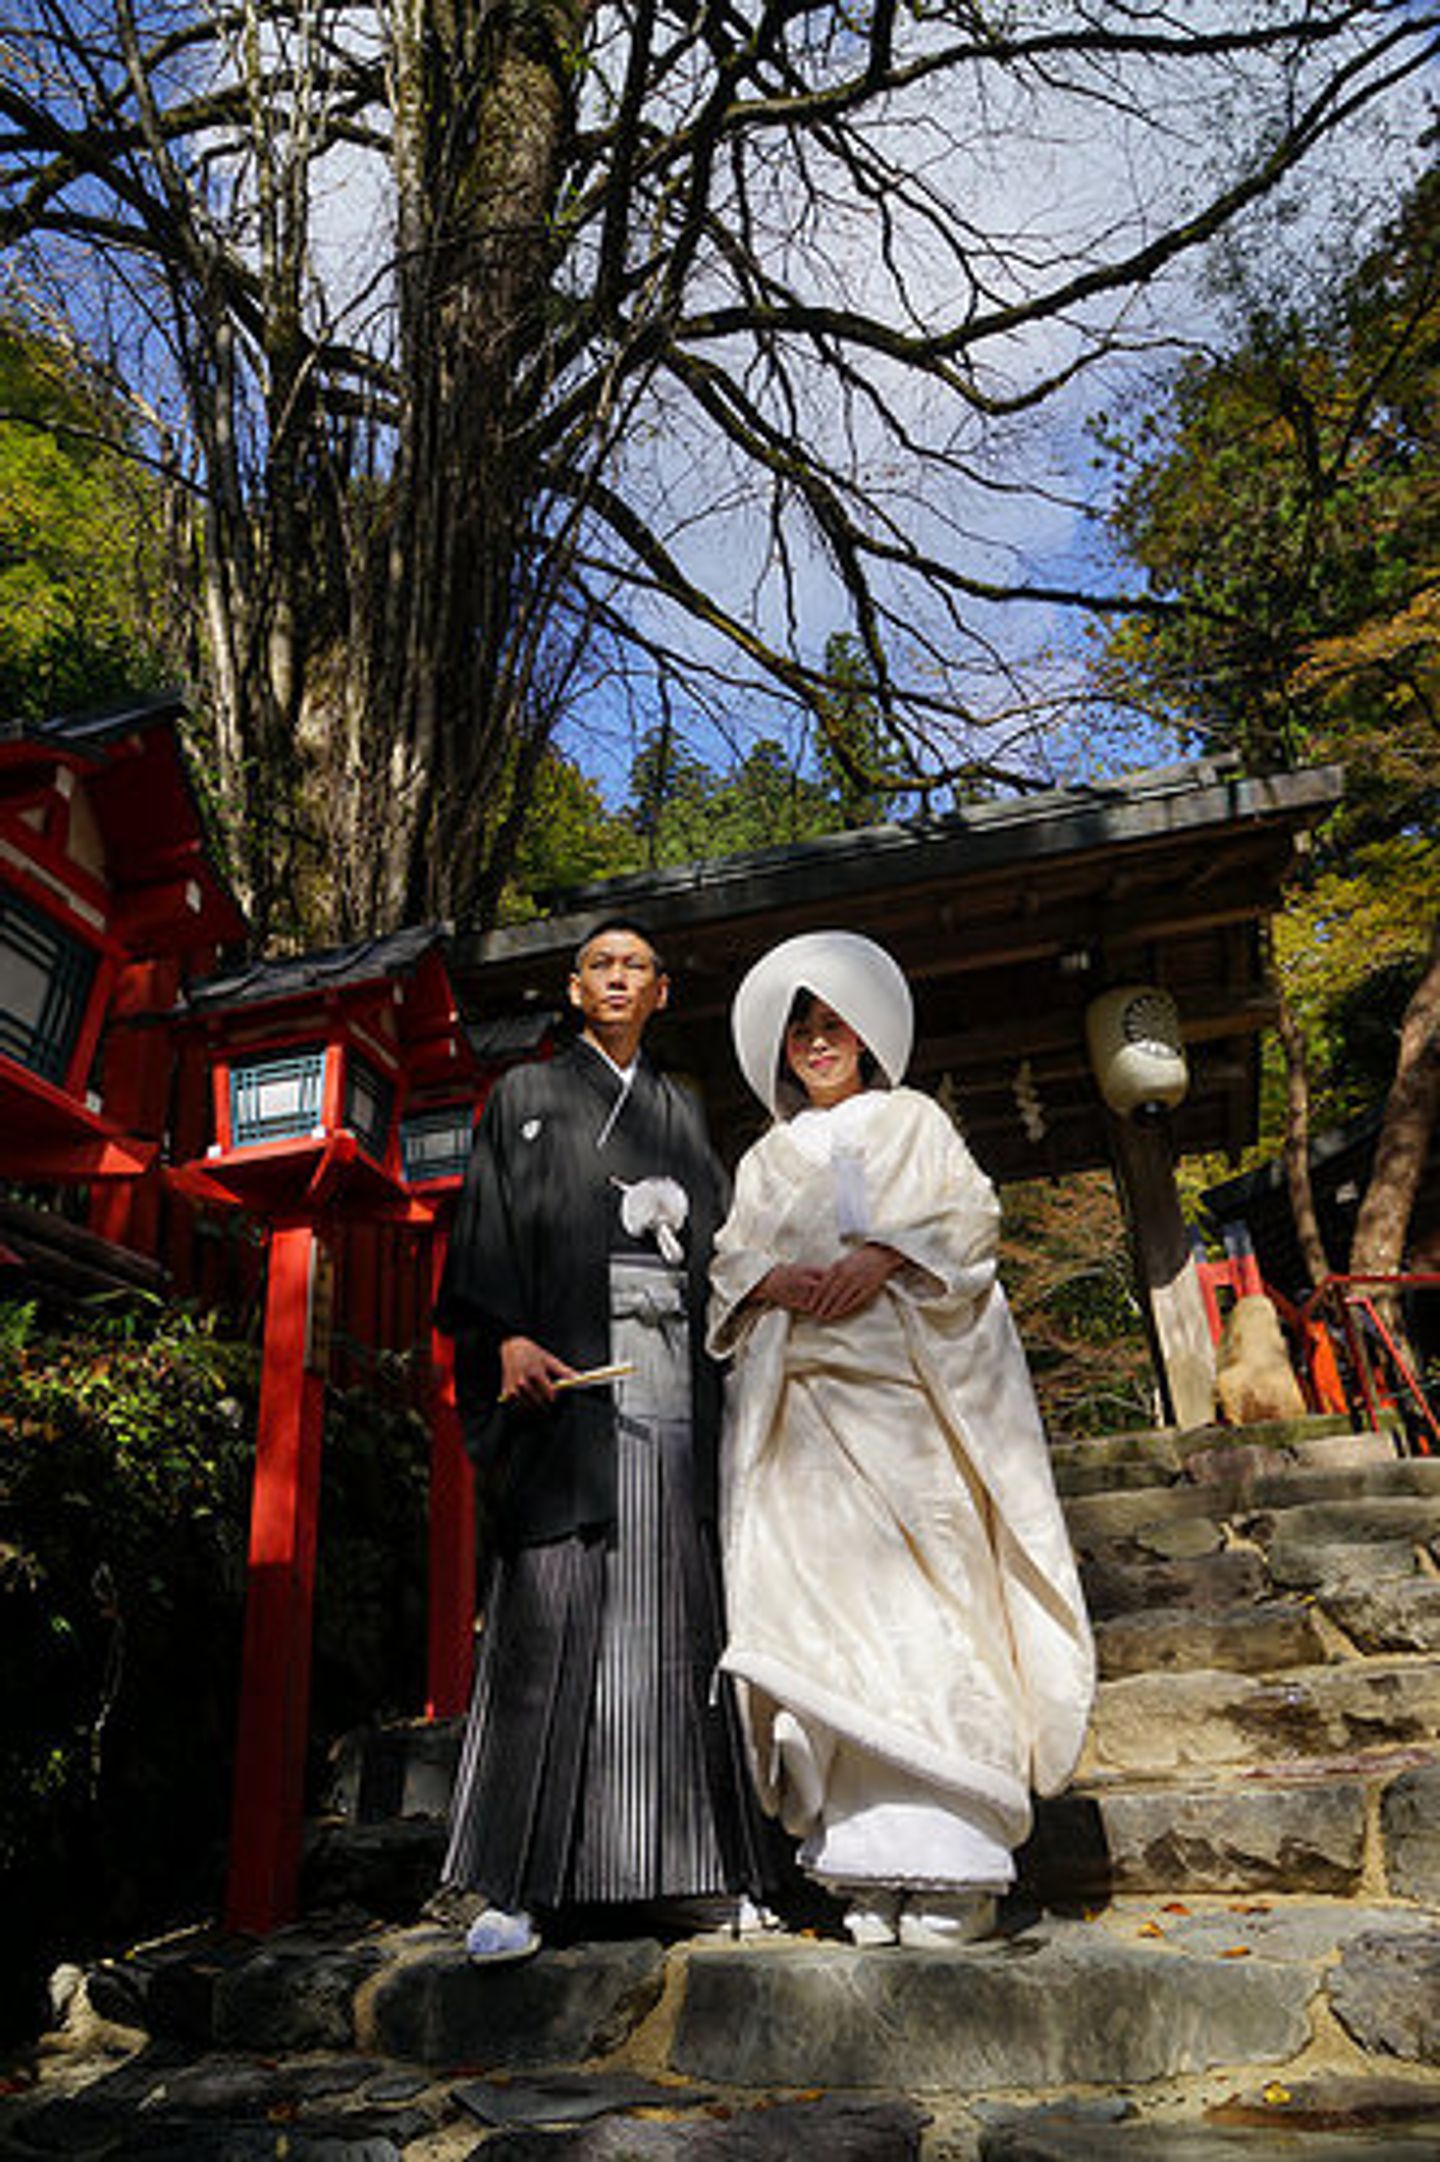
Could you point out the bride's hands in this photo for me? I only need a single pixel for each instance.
(830, 1294)
(791, 1286)
(848, 1285)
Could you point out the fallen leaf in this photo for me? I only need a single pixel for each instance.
(1275, 2094)
(1174, 1906)
(1236, 1951)
(1149, 1929)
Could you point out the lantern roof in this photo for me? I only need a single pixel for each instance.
(402, 974)
(306, 977)
(158, 859)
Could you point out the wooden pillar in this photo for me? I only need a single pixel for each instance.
(452, 1531)
(269, 1796)
(1166, 1279)
(137, 1098)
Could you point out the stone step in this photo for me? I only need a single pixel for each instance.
(1143, 1992)
(1252, 1634)
(1171, 1443)
(1396, 1615)
(1164, 1458)
(1068, 2134)
(1330, 1828)
(1218, 1577)
(1243, 1639)
(1323, 1564)
(1251, 1838)
(1109, 1517)
(1149, 1725)
(1301, 1827)
(1145, 1474)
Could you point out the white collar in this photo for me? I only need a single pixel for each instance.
(625, 1074)
(819, 1130)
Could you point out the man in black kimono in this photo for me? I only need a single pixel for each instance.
(598, 1764)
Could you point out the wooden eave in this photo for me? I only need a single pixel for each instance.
(1008, 919)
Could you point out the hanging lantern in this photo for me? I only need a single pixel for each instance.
(1137, 1049)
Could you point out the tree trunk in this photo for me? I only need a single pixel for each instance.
(481, 95)
(1296, 1154)
(1400, 1154)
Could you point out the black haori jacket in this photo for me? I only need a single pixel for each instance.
(529, 1255)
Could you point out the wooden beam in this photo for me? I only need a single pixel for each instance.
(1166, 1279)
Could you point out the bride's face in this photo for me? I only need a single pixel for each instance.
(823, 1052)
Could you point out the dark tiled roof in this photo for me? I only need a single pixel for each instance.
(1167, 802)
(1036, 807)
(98, 725)
(511, 1035)
(369, 960)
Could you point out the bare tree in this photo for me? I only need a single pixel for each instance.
(518, 341)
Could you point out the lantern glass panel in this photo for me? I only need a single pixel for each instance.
(368, 1098)
(436, 1144)
(276, 1097)
(45, 981)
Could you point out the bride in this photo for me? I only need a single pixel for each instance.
(906, 1628)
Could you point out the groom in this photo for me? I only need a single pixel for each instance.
(598, 1767)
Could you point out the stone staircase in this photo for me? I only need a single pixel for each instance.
(1267, 1615)
(1225, 1942)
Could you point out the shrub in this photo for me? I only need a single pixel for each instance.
(126, 1446)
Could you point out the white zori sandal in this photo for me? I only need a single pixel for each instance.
(495, 1936)
(871, 1916)
(936, 1921)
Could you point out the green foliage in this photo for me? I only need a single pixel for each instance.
(124, 1456)
(684, 811)
(851, 751)
(1065, 1264)
(1288, 496)
(126, 1451)
(680, 810)
(1351, 946)
(78, 547)
(568, 838)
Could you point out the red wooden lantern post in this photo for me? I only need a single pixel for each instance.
(315, 1063)
(273, 1726)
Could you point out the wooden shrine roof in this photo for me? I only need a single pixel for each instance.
(1008, 918)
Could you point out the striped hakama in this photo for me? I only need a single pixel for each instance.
(599, 1763)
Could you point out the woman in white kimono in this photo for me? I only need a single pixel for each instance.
(906, 1627)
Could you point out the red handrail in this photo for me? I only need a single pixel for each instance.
(1349, 1305)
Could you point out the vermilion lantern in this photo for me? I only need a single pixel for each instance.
(325, 1071)
(107, 893)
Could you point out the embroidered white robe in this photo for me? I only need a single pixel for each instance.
(905, 1619)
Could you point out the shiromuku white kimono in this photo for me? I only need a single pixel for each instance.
(906, 1627)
